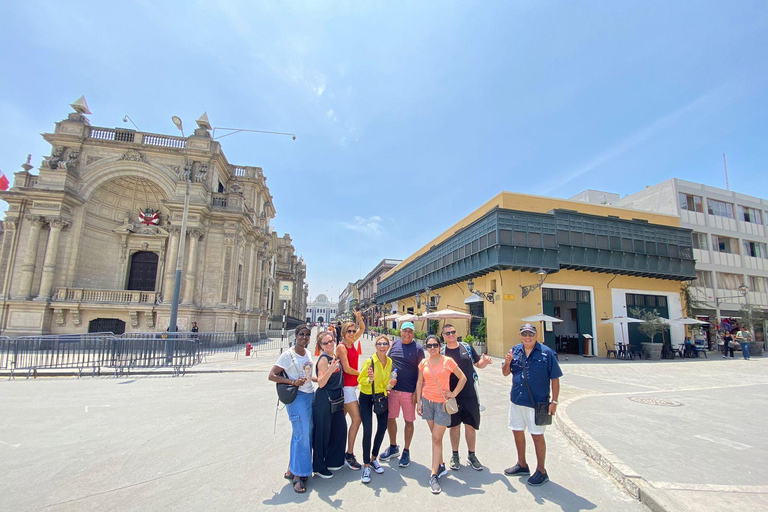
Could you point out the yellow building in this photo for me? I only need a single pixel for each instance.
(525, 255)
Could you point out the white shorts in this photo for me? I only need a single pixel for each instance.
(522, 418)
(350, 394)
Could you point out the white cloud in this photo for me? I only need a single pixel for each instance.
(370, 226)
(331, 115)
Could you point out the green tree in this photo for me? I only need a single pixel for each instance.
(652, 325)
(481, 330)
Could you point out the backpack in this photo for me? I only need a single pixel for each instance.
(466, 352)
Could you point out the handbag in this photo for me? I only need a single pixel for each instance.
(286, 393)
(542, 416)
(450, 405)
(336, 404)
(380, 400)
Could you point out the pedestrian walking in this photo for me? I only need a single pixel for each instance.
(348, 357)
(406, 354)
(374, 380)
(743, 336)
(329, 425)
(432, 391)
(534, 370)
(728, 344)
(294, 367)
(469, 404)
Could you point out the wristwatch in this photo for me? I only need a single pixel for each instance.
(554, 402)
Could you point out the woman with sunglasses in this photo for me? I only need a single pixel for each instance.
(347, 355)
(294, 367)
(330, 428)
(432, 390)
(374, 379)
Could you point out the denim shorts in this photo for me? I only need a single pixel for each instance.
(434, 411)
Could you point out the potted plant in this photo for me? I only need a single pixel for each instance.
(652, 325)
(480, 337)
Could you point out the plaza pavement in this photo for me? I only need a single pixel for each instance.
(211, 441)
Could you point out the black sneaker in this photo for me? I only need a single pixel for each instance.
(324, 474)
(441, 471)
(517, 469)
(390, 452)
(351, 462)
(538, 478)
(455, 462)
(472, 459)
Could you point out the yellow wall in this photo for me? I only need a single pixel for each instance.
(504, 316)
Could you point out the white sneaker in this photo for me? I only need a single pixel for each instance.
(376, 466)
(366, 479)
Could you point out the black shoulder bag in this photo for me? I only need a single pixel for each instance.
(286, 393)
(542, 408)
(380, 400)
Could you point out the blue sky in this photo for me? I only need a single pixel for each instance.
(408, 117)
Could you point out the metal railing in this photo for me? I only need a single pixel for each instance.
(5, 352)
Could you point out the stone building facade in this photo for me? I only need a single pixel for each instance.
(91, 242)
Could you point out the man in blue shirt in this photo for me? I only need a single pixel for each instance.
(539, 363)
(406, 355)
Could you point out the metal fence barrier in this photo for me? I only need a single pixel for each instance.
(174, 352)
(5, 352)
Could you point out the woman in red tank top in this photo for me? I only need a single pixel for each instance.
(348, 357)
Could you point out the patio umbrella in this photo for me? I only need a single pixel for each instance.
(393, 316)
(620, 321)
(541, 317)
(407, 318)
(448, 313)
(689, 321)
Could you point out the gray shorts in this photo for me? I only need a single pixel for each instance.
(434, 411)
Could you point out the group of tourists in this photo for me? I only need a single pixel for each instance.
(402, 378)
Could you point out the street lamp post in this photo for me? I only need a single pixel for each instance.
(427, 304)
(183, 235)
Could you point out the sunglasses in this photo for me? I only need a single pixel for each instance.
(527, 334)
(351, 332)
(450, 333)
(433, 345)
(329, 342)
(382, 344)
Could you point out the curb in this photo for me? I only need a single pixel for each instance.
(23, 375)
(626, 478)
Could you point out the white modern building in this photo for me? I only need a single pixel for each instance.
(729, 240)
(321, 309)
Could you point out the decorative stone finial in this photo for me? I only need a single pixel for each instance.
(27, 166)
(203, 122)
(80, 106)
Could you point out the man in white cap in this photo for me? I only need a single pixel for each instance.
(537, 364)
(406, 355)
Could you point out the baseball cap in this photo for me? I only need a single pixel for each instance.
(407, 325)
(527, 327)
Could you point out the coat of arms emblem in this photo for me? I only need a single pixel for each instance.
(149, 217)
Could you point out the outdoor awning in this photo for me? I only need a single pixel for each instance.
(472, 299)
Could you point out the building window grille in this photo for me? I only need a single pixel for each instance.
(699, 240)
(690, 203)
(704, 278)
(758, 284)
(755, 249)
(728, 281)
(719, 208)
(748, 214)
(725, 244)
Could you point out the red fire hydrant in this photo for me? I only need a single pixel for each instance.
(248, 348)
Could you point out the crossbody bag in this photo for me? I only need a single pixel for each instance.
(337, 404)
(380, 400)
(542, 408)
(287, 393)
(450, 405)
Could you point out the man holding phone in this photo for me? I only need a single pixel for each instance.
(542, 370)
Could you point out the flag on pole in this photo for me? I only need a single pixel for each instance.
(3, 181)
(359, 347)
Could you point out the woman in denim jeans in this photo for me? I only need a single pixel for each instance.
(744, 337)
(297, 365)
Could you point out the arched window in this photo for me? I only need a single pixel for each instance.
(143, 271)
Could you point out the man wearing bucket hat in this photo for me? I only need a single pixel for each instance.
(406, 355)
(537, 364)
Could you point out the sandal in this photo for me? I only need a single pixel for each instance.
(301, 489)
(288, 475)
